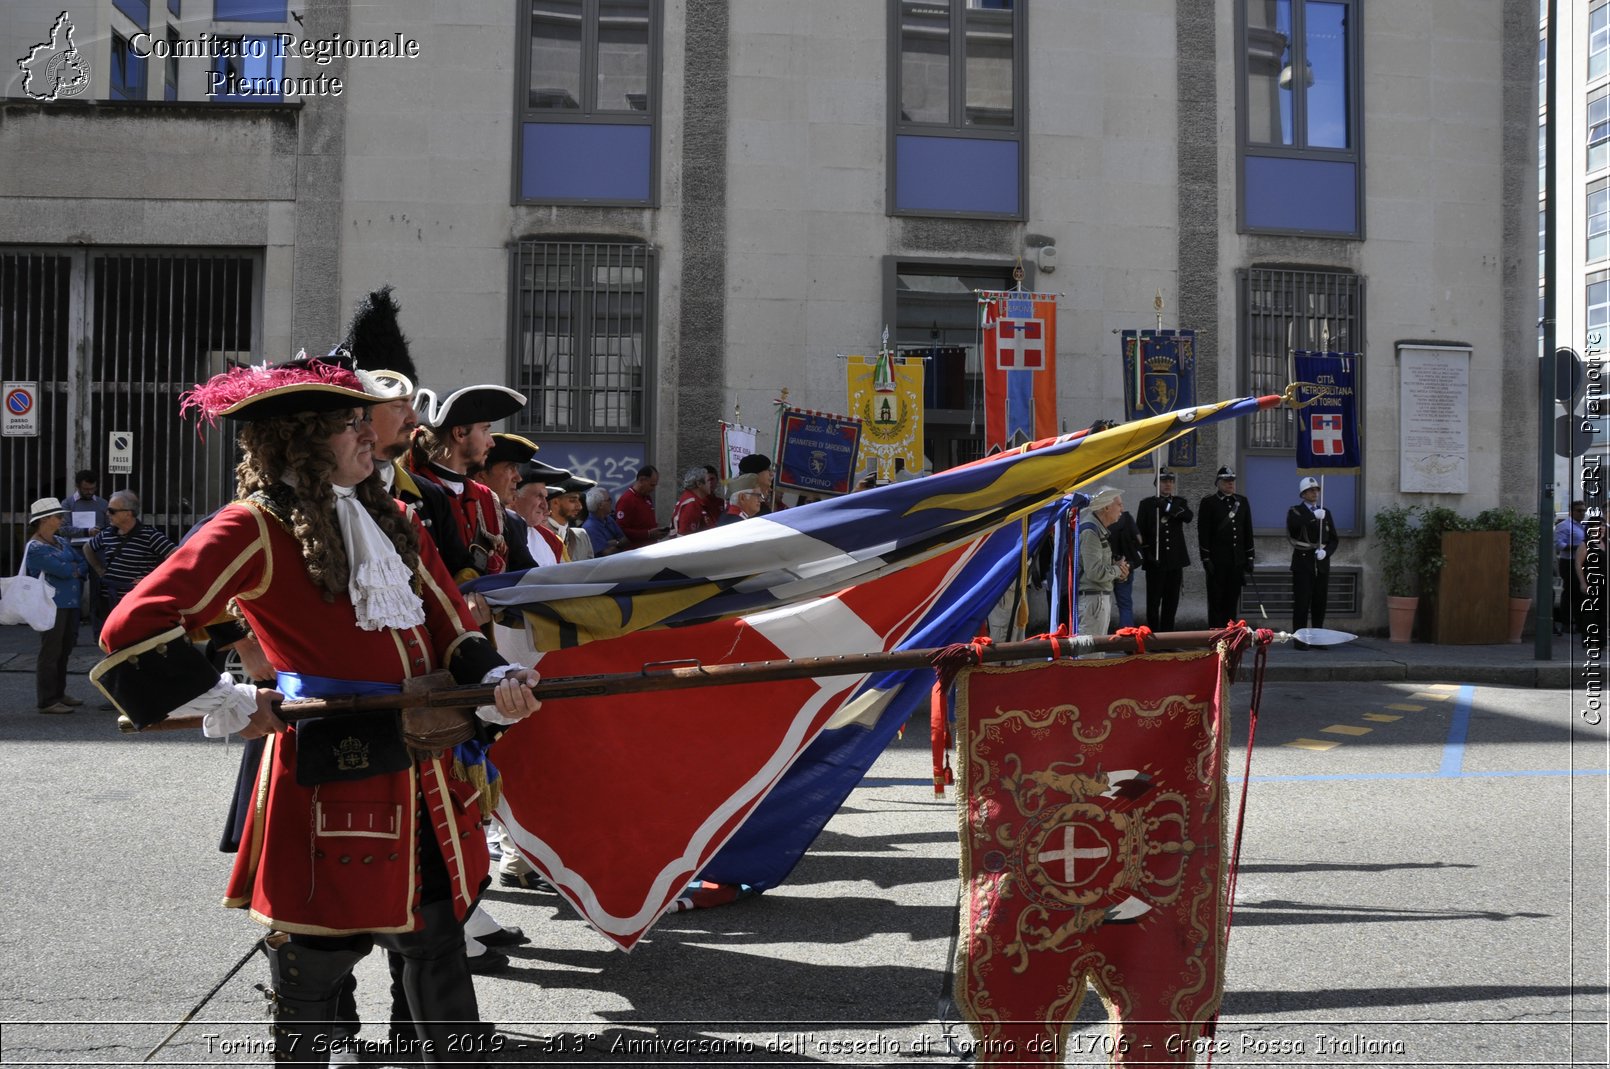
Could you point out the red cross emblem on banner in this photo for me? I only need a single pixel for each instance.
(1020, 345)
(1325, 435)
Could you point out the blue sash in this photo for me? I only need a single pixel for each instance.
(470, 760)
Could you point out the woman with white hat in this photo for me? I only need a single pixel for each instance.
(53, 557)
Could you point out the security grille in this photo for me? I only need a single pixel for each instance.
(584, 337)
(1272, 587)
(39, 293)
(113, 338)
(1287, 310)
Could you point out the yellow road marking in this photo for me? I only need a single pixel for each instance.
(1347, 729)
(1443, 686)
(1427, 696)
(1403, 708)
(1311, 744)
(1381, 718)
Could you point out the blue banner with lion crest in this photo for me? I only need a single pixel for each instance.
(1159, 377)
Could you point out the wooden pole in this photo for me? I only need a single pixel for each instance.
(674, 675)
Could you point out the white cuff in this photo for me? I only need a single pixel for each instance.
(489, 712)
(224, 709)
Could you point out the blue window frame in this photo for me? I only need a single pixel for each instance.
(588, 102)
(127, 81)
(138, 10)
(1300, 100)
(249, 10)
(956, 101)
(254, 63)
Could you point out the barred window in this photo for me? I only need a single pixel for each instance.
(582, 351)
(1293, 309)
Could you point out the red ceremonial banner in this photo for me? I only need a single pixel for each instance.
(1094, 852)
(1020, 367)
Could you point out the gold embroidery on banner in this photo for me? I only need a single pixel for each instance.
(1143, 847)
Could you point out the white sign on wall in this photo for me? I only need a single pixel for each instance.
(120, 453)
(1433, 419)
(19, 409)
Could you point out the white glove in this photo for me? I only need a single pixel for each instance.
(1319, 554)
(1319, 514)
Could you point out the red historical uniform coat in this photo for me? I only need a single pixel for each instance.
(339, 857)
(479, 517)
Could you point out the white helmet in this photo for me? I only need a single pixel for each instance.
(1308, 483)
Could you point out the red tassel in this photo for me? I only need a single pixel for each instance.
(1139, 634)
(947, 662)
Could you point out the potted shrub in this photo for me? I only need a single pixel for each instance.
(1397, 551)
(1522, 528)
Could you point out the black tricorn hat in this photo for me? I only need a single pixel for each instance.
(535, 471)
(472, 404)
(374, 339)
(510, 447)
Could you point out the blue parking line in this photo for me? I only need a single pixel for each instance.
(1512, 773)
(1453, 761)
(1453, 751)
(1346, 777)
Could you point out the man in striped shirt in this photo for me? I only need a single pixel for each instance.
(125, 550)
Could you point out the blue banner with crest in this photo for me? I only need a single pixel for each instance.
(1159, 377)
(1327, 422)
(817, 453)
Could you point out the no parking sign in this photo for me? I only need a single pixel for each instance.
(19, 409)
(120, 453)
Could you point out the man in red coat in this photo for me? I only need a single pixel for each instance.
(634, 510)
(358, 834)
(454, 442)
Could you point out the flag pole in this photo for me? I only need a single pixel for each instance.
(676, 675)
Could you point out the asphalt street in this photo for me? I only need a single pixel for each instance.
(1423, 882)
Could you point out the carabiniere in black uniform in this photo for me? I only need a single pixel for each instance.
(1224, 540)
(1162, 519)
(1313, 539)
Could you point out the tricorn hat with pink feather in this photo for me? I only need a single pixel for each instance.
(267, 391)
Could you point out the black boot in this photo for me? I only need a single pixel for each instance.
(306, 999)
(441, 991)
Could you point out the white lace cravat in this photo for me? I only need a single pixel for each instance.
(379, 586)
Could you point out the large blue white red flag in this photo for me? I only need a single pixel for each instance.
(620, 801)
(808, 552)
(771, 842)
(1327, 422)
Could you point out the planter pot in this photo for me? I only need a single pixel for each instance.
(1400, 618)
(1518, 608)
